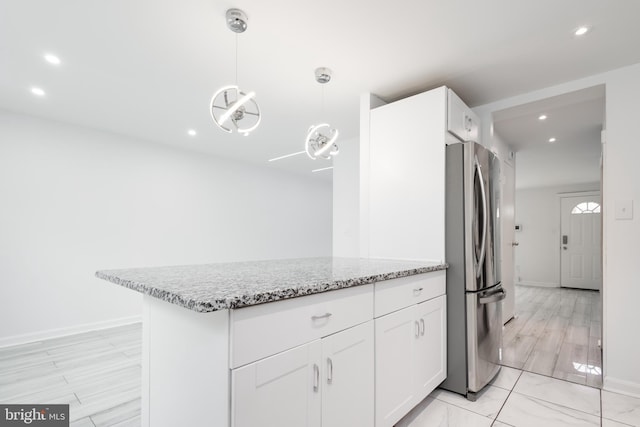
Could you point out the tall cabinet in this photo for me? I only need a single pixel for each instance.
(406, 208)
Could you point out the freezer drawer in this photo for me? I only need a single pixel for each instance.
(484, 336)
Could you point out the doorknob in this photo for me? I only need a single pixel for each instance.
(515, 243)
(564, 247)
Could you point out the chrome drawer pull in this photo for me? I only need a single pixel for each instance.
(417, 328)
(329, 370)
(422, 326)
(417, 291)
(324, 316)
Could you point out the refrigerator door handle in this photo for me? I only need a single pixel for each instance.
(493, 297)
(484, 217)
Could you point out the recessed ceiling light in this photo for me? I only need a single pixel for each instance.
(542, 117)
(37, 91)
(192, 132)
(286, 155)
(580, 31)
(552, 140)
(322, 169)
(52, 59)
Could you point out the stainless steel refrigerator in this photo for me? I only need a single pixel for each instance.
(474, 291)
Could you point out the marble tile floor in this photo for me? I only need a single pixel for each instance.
(524, 399)
(97, 373)
(556, 333)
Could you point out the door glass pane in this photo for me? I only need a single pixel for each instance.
(586, 208)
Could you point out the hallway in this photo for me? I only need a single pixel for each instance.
(556, 333)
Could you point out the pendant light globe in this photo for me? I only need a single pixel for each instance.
(321, 138)
(232, 109)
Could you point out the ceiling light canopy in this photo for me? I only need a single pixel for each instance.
(231, 108)
(321, 138)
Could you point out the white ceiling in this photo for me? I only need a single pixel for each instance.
(148, 68)
(575, 119)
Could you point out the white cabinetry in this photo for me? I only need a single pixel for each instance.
(406, 174)
(431, 360)
(461, 121)
(410, 352)
(395, 350)
(281, 390)
(347, 380)
(406, 178)
(323, 360)
(327, 380)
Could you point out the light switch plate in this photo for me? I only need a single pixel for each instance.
(624, 209)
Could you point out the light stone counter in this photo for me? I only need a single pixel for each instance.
(213, 287)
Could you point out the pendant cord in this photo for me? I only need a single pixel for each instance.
(322, 110)
(236, 59)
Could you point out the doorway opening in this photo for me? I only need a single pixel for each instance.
(552, 235)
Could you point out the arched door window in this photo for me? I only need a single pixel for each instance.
(585, 208)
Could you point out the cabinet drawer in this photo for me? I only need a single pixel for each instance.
(392, 295)
(263, 330)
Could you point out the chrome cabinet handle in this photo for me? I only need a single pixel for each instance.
(422, 326)
(417, 328)
(417, 291)
(316, 377)
(329, 370)
(324, 316)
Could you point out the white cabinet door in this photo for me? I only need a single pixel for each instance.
(461, 121)
(347, 378)
(281, 390)
(430, 350)
(396, 336)
(456, 117)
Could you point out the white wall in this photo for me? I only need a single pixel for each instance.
(622, 237)
(346, 199)
(537, 257)
(75, 200)
(621, 247)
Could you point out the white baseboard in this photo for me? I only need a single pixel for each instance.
(61, 332)
(539, 284)
(617, 385)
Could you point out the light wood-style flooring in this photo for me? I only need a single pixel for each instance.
(556, 333)
(97, 373)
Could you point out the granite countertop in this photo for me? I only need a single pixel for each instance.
(212, 287)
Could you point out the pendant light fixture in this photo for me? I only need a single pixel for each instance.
(321, 138)
(231, 108)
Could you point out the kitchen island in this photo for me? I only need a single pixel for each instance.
(286, 342)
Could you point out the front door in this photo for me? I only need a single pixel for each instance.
(580, 242)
